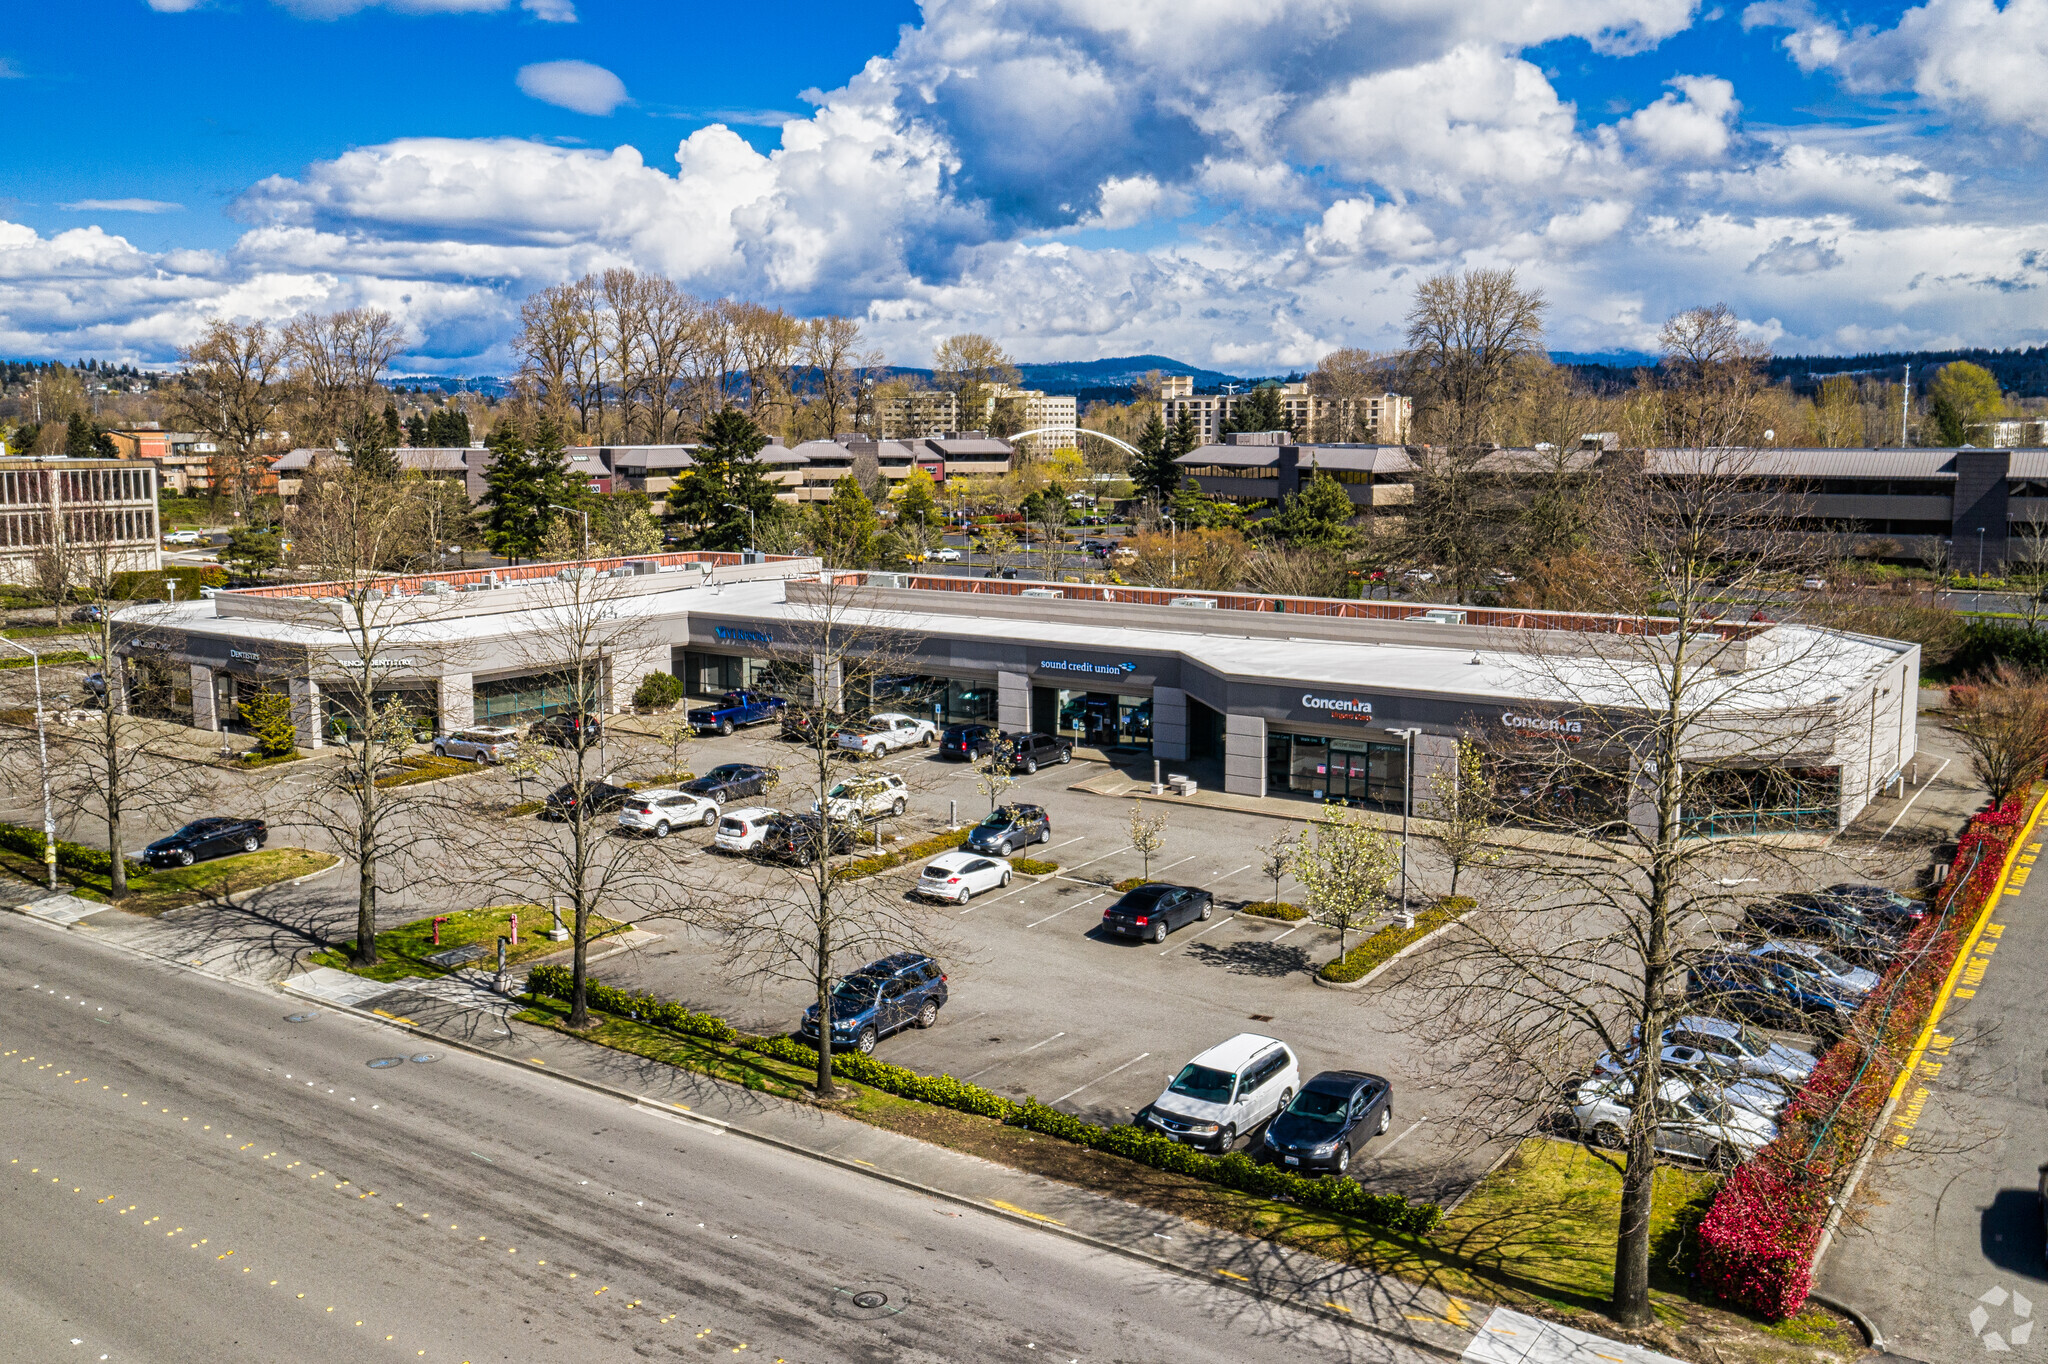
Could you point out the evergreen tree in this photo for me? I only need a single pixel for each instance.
(1259, 411)
(394, 434)
(726, 482)
(448, 427)
(371, 452)
(416, 431)
(1317, 517)
(520, 482)
(83, 439)
(844, 530)
(1154, 471)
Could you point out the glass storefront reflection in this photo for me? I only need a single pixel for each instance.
(1105, 719)
(1347, 771)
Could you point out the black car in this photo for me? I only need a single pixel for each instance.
(1009, 827)
(801, 724)
(204, 838)
(798, 839)
(1155, 910)
(594, 798)
(727, 780)
(1881, 902)
(1769, 993)
(883, 996)
(1336, 1112)
(1033, 749)
(1836, 924)
(967, 742)
(567, 731)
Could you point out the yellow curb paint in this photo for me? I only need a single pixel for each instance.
(1228, 1275)
(1023, 1212)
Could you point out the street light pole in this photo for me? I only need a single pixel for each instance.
(586, 523)
(753, 539)
(1980, 551)
(1407, 738)
(43, 752)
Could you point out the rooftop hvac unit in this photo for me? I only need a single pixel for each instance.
(1441, 617)
(886, 580)
(1201, 603)
(576, 575)
(435, 587)
(1042, 592)
(476, 587)
(622, 571)
(753, 556)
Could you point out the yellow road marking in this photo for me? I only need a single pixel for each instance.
(1025, 1212)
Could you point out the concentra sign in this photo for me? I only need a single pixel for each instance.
(1339, 707)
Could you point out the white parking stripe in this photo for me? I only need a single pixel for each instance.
(1056, 913)
(1397, 1140)
(1104, 1076)
(1033, 1047)
(1225, 875)
(1210, 929)
(1093, 860)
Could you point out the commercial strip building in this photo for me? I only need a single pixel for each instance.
(90, 506)
(1381, 418)
(1289, 697)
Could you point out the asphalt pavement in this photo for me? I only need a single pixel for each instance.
(195, 1170)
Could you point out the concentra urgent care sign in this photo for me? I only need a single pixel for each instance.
(1349, 708)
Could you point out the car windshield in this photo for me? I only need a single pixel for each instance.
(1832, 964)
(729, 770)
(856, 989)
(1319, 1107)
(939, 871)
(995, 821)
(1200, 1082)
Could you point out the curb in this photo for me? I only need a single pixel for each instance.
(1366, 979)
(679, 1114)
(1863, 1323)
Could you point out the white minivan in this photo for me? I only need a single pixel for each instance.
(1226, 1092)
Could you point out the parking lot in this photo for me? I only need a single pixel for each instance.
(1043, 1003)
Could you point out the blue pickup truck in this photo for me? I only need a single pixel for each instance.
(737, 708)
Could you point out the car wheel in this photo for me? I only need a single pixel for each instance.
(865, 1043)
(966, 894)
(1031, 767)
(440, 752)
(1044, 836)
(1003, 848)
(710, 820)
(1006, 879)
(1227, 1138)
(1159, 932)
(1607, 1136)
(1343, 1160)
(1066, 755)
(929, 1014)
(1208, 908)
(661, 829)
(924, 740)
(250, 844)
(897, 808)
(185, 857)
(1386, 1121)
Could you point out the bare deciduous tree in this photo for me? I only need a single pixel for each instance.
(1464, 809)
(232, 386)
(2003, 722)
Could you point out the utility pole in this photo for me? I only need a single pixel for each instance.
(1905, 404)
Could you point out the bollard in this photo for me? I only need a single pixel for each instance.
(515, 930)
(438, 921)
(952, 814)
(1157, 785)
(501, 954)
(558, 933)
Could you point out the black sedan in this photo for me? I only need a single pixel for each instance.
(798, 839)
(567, 731)
(1154, 911)
(592, 799)
(1336, 1112)
(728, 780)
(1835, 924)
(204, 838)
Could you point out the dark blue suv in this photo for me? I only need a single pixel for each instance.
(882, 997)
(1768, 993)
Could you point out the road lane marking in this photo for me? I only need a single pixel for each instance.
(1025, 1212)
(1104, 1076)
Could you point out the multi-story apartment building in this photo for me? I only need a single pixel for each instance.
(937, 412)
(184, 460)
(1381, 418)
(928, 412)
(90, 506)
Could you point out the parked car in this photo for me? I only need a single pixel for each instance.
(1881, 901)
(204, 838)
(1708, 1074)
(948, 555)
(1817, 961)
(1154, 911)
(736, 709)
(906, 990)
(728, 780)
(866, 797)
(1336, 1112)
(1834, 924)
(567, 731)
(594, 797)
(801, 839)
(657, 812)
(800, 723)
(96, 683)
(887, 732)
(185, 537)
(960, 876)
(967, 742)
(741, 830)
(479, 743)
(1766, 992)
(91, 613)
(1033, 749)
(1008, 828)
(1695, 1122)
(1743, 1048)
(1228, 1090)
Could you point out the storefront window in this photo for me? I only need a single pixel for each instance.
(532, 696)
(706, 676)
(343, 711)
(1752, 800)
(1346, 771)
(1105, 719)
(945, 700)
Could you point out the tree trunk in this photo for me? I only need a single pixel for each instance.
(824, 1084)
(579, 971)
(1631, 1305)
(366, 903)
(117, 874)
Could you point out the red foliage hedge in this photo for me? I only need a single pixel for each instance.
(1758, 1237)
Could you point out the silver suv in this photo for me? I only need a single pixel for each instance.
(479, 743)
(866, 797)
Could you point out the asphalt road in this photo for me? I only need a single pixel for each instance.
(190, 1175)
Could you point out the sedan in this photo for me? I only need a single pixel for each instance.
(1699, 1125)
(1709, 1074)
(594, 798)
(656, 812)
(204, 838)
(728, 780)
(1812, 959)
(1154, 911)
(1881, 901)
(959, 877)
(1336, 1112)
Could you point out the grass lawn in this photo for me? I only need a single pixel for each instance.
(44, 631)
(154, 892)
(403, 951)
(427, 767)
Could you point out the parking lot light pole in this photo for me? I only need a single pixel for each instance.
(1407, 738)
(43, 751)
(753, 539)
(586, 523)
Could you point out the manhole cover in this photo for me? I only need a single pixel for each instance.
(870, 1301)
(425, 1057)
(300, 1018)
(385, 1062)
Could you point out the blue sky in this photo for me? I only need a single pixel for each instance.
(1242, 183)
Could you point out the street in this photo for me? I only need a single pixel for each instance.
(198, 1171)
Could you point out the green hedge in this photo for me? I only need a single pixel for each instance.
(910, 852)
(1381, 946)
(1238, 1171)
(1275, 909)
(75, 857)
(1987, 643)
(1031, 866)
(1133, 882)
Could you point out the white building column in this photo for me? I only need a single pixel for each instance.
(1170, 724)
(1013, 701)
(1244, 751)
(456, 700)
(306, 711)
(205, 714)
(628, 666)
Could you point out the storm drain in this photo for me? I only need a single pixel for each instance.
(424, 1057)
(300, 1018)
(870, 1301)
(385, 1062)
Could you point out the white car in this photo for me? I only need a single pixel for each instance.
(742, 830)
(479, 743)
(1226, 1092)
(865, 797)
(887, 732)
(948, 555)
(665, 808)
(1697, 1123)
(1710, 1074)
(960, 876)
(185, 537)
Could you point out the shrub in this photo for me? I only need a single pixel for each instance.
(1382, 946)
(1133, 882)
(149, 584)
(73, 857)
(558, 981)
(657, 690)
(909, 852)
(1275, 909)
(268, 714)
(1031, 866)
